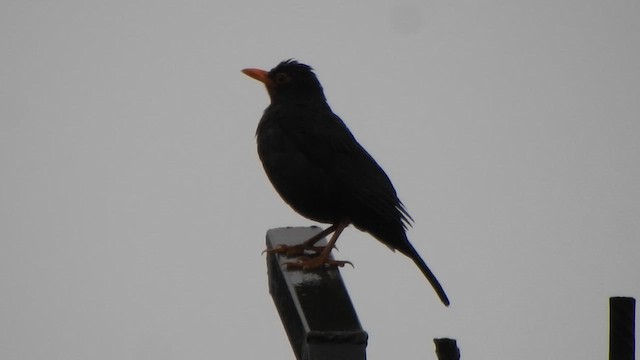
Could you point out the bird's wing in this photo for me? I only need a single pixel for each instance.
(327, 142)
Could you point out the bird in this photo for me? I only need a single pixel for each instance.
(321, 171)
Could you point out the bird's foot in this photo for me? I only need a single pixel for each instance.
(306, 263)
(295, 250)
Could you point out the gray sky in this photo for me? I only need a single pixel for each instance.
(133, 207)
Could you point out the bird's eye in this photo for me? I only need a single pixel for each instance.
(282, 78)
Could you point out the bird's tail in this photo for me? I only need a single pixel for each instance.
(413, 254)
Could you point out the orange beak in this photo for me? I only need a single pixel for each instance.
(260, 75)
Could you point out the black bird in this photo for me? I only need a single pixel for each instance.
(322, 172)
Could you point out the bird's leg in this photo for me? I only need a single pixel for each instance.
(308, 245)
(322, 259)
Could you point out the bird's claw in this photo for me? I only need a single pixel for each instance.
(295, 250)
(305, 263)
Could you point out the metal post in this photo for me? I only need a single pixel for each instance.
(314, 306)
(447, 349)
(622, 328)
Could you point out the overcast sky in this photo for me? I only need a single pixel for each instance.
(133, 207)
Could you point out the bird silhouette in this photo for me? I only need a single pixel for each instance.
(322, 172)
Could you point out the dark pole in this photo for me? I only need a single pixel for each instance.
(447, 349)
(622, 328)
(314, 306)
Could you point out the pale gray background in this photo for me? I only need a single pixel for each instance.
(133, 207)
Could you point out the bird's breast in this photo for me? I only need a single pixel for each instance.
(303, 183)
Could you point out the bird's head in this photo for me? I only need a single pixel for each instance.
(290, 81)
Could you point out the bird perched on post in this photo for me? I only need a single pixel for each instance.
(322, 172)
